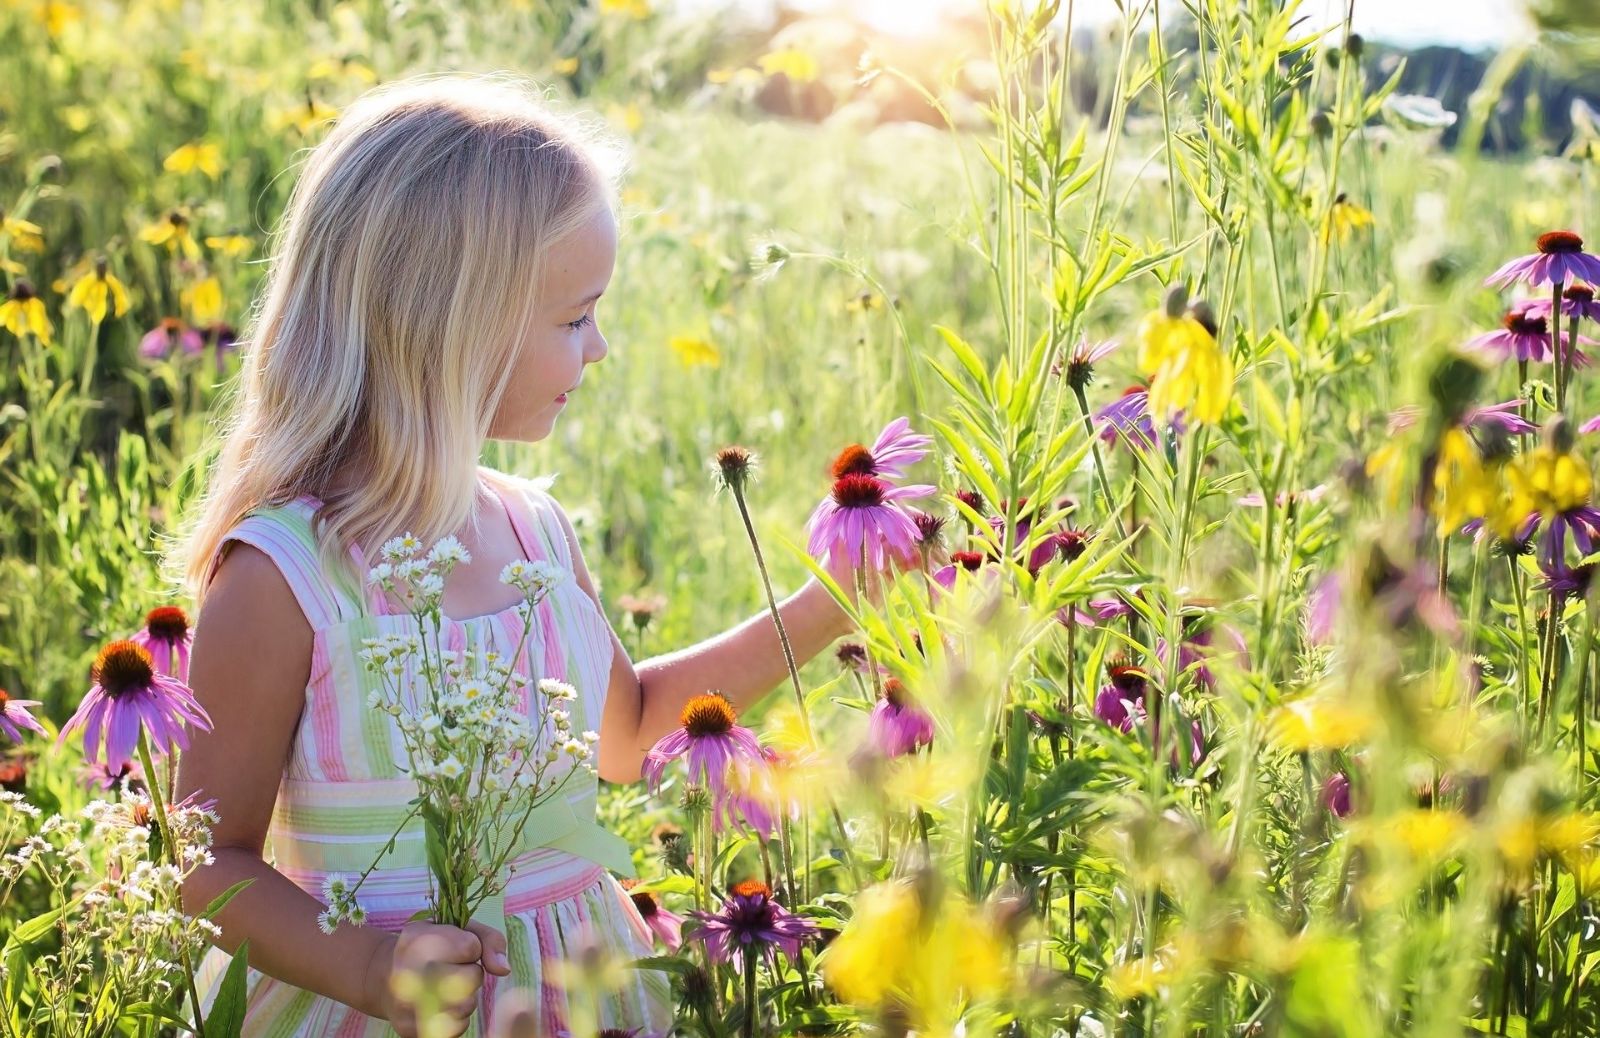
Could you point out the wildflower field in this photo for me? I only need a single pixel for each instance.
(1213, 441)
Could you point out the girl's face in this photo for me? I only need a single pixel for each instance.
(564, 338)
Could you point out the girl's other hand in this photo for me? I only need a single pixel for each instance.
(450, 961)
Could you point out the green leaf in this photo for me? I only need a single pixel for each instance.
(226, 1018)
(220, 902)
(664, 963)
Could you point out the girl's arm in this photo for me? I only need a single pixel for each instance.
(745, 663)
(249, 669)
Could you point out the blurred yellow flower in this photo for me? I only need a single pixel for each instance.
(229, 244)
(24, 234)
(1344, 218)
(24, 312)
(97, 290)
(172, 231)
(863, 302)
(693, 350)
(796, 64)
(56, 16)
(1188, 370)
(1318, 723)
(1548, 481)
(203, 300)
(565, 66)
(1464, 488)
(630, 117)
(207, 158)
(1429, 835)
(736, 76)
(76, 117)
(341, 68)
(303, 117)
(631, 8)
(892, 954)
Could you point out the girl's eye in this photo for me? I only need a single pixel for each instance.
(580, 322)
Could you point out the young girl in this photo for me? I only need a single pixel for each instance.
(435, 286)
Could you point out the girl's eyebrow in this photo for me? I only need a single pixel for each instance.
(586, 302)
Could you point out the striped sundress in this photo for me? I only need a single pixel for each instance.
(343, 791)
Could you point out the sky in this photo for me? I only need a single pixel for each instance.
(1471, 24)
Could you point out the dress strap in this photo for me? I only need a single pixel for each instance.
(284, 533)
(533, 518)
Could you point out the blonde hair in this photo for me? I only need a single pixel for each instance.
(406, 265)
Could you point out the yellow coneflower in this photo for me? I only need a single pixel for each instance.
(24, 234)
(796, 64)
(172, 231)
(203, 300)
(1548, 481)
(24, 312)
(96, 290)
(230, 245)
(207, 158)
(1344, 218)
(1464, 487)
(694, 350)
(1187, 368)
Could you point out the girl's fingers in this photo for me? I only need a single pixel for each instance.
(494, 948)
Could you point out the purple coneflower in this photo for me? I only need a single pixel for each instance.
(128, 694)
(1197, 647)
(1526, 336)
(1121, 704)
(753, 800)
(171, 332)
(1286, 497)
(14, 716)
(971, 561)
(1504, 415)
(1099, 611)
(1560, 259)
(1127, 420)
(168, 638)
(1576, 301)
(750, 919)
(668, 926)
(711, 739)
(1079, 370)
(100, 775)
(898, 724)
(1336, 794)
(863, 511)
(896, 449)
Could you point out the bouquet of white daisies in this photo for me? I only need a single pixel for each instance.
(482, 766)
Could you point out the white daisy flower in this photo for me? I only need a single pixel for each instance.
(450, 767)
(327, 922)
(449, 551)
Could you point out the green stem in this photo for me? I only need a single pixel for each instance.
(169, 850)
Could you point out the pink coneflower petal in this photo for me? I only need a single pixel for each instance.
(14, 717)
(897, 448)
